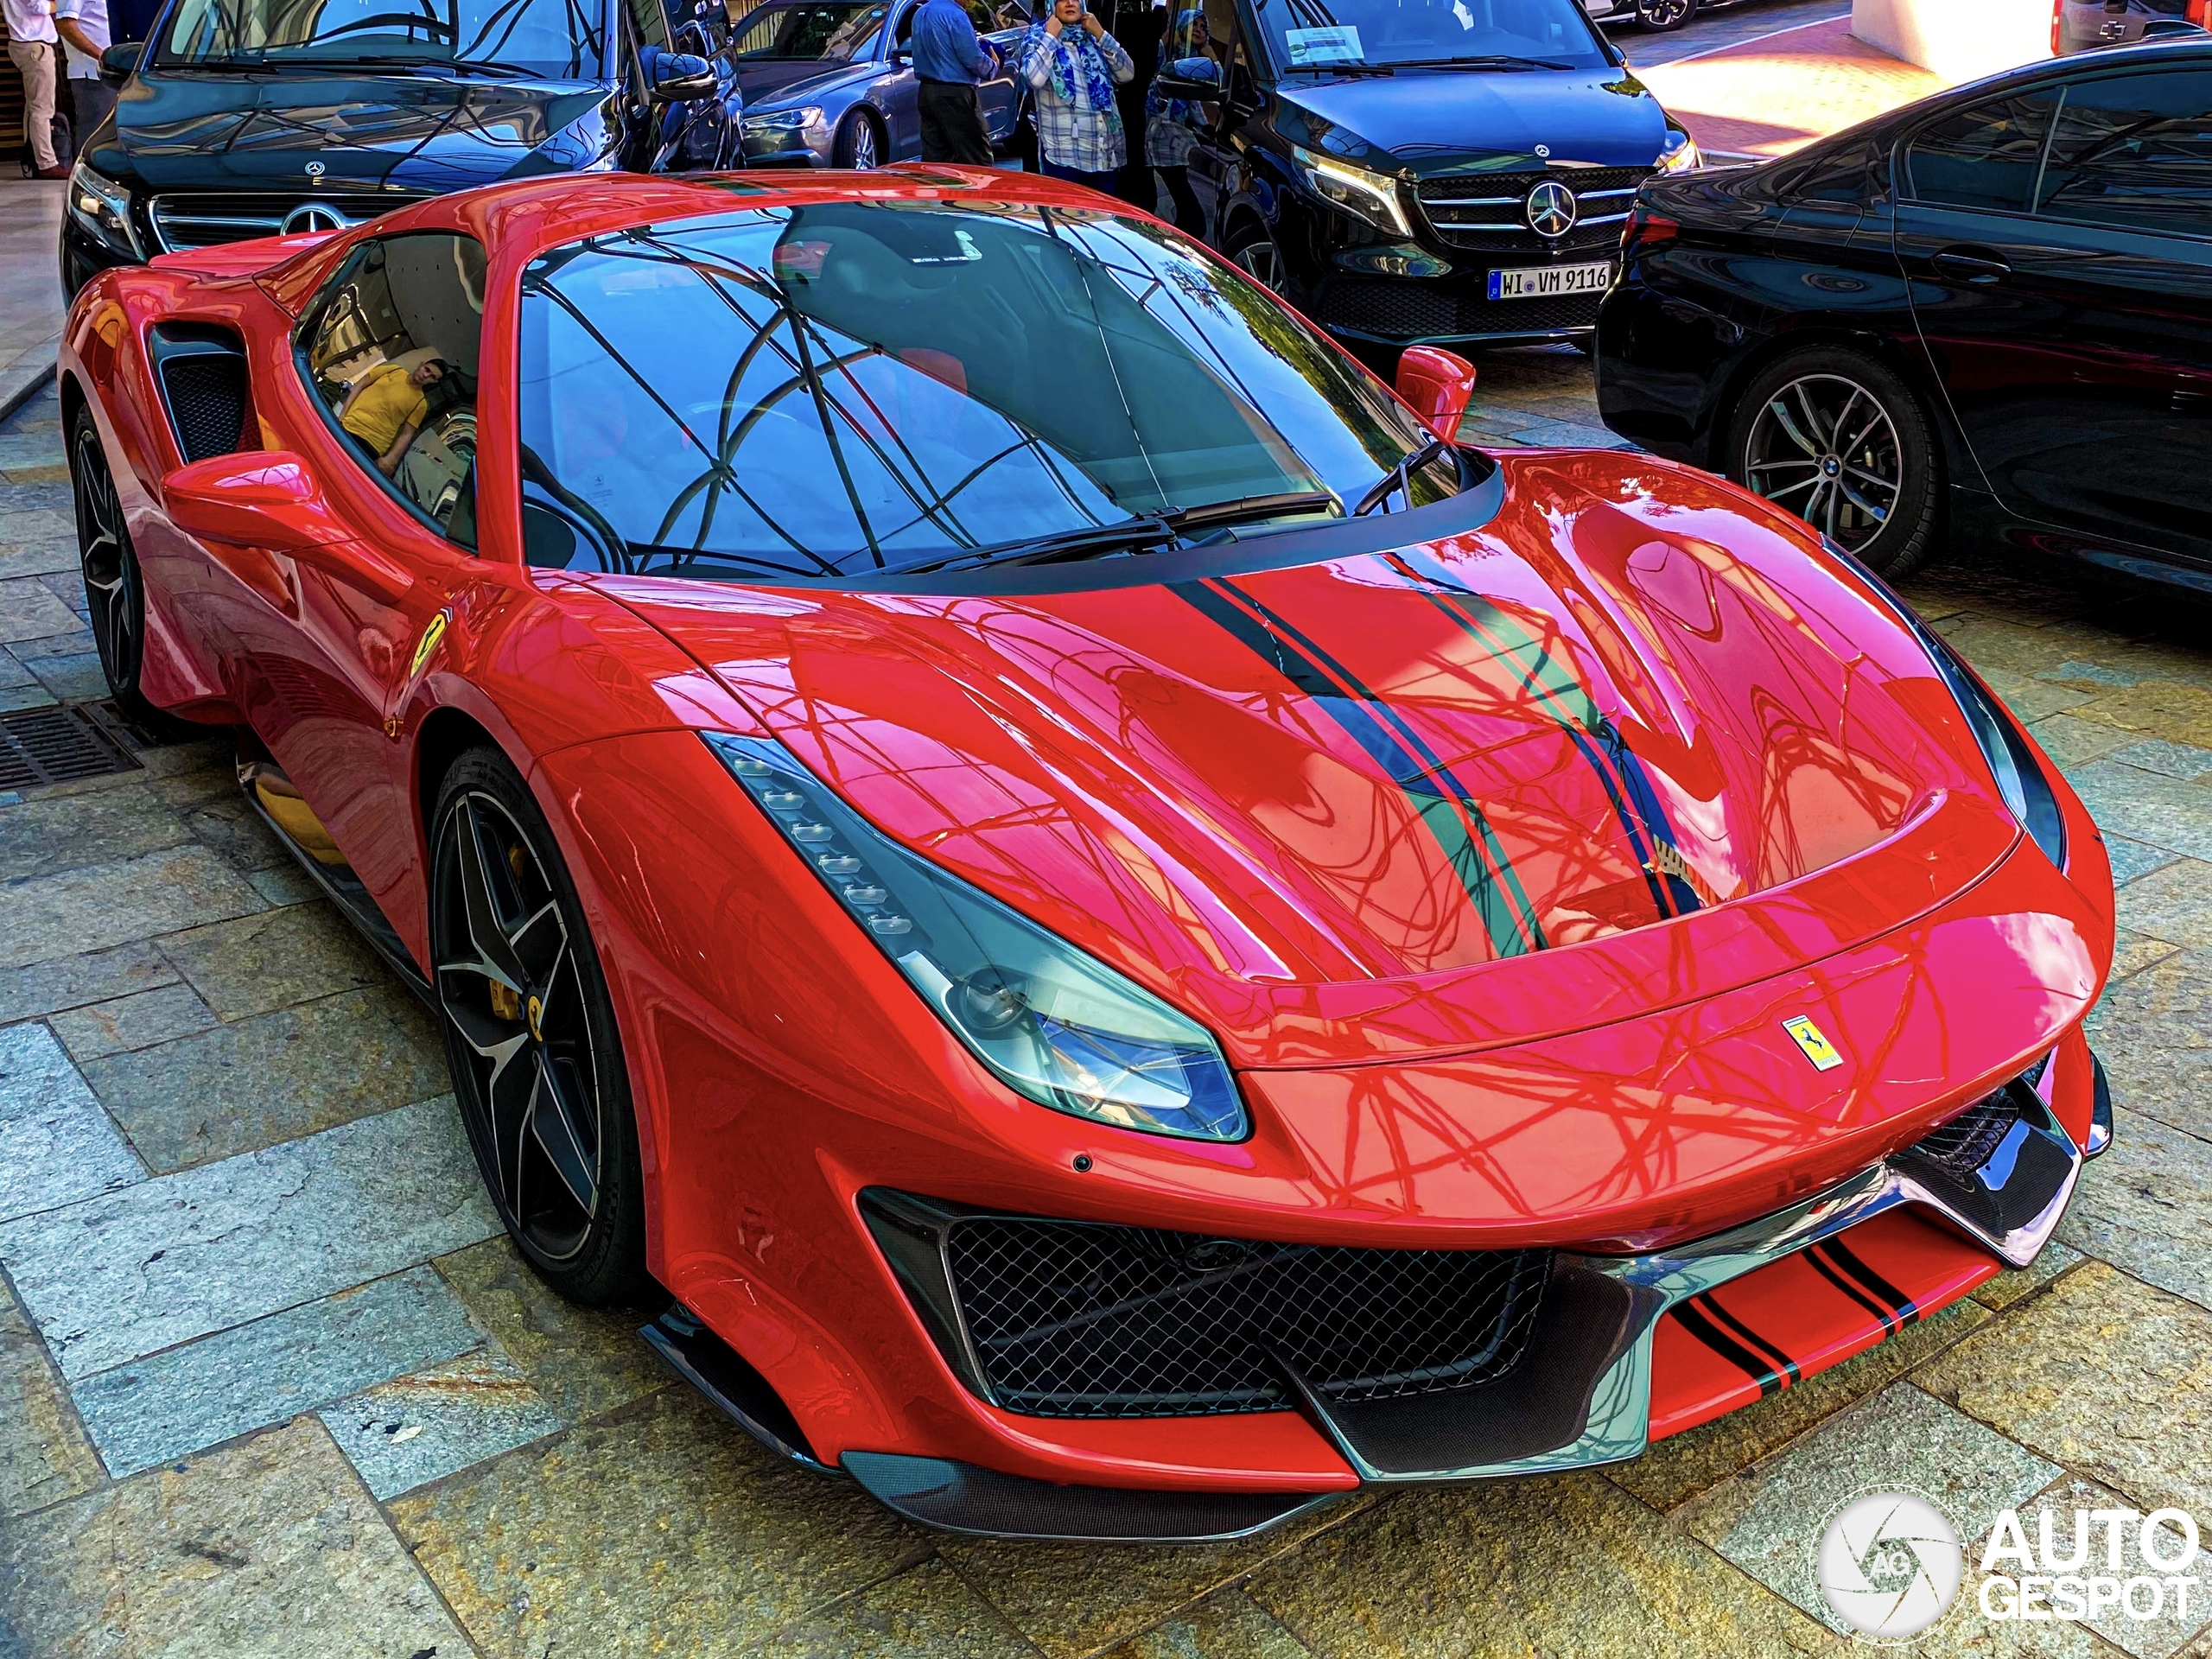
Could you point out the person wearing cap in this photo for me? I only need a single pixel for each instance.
(83, 26)
(32, 49)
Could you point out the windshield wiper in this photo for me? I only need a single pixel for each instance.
(1497, 60)
(400, 61)
(1249, 509)
(1400, 477)
(1044, 550)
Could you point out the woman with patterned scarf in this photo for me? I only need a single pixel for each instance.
(1074, 63)
(1171, 125)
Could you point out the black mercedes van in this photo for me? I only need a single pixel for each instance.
(1425, 172)
(241, 119)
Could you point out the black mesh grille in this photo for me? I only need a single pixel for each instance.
(1405, 310)
(206, 395)
(1964, 1145)
(1488, 214)
(56, 745)
(1075, 1320)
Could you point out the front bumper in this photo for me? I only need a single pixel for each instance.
(1985, 1191)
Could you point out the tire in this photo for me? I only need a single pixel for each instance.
(1879, 493)
(115, 589)
(1253, 252)
(530, 1038)
(1663, 16)
(859, 144)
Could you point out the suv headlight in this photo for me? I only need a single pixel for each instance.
(1679, 153)
(784, 120)
(103, 207)
(1054, 1023)
(1371, 196)
(2020, 779)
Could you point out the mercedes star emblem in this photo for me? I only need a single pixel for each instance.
(312, 216)
(1552, 209)
(314, 169)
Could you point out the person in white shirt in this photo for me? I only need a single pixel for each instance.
(31, 49)
(84, 27)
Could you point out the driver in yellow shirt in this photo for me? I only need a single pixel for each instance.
(386, 408)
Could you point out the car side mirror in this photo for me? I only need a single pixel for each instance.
(2172, 29)
(683, 77)
(1187, 88)
(269, 499)
(1439, 384)
(120, 61)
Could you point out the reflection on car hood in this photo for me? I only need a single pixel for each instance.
(1462, 792)
(414, 133)
(771, 85)
(1435, 121)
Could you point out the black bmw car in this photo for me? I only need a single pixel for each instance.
(1984, 317)
(241, 118)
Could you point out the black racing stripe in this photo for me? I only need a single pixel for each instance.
(1456, 821)
(1901, 1305)
(1788, 1365)
(1644, 800)
(1483, 622)
(1820, 1266)
(1694, 1321)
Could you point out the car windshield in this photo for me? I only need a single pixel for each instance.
(846, 387)
(829, 31)
(559, 39)
(1317, 37)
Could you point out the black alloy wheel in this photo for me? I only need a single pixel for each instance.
(1665, 13)
(114, 593)
(530, 1038)
(857, 145)
(1836, 438)
(1252, 250)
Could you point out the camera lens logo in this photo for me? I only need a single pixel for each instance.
(1889, 1564)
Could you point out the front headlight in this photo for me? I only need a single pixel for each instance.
(103, 207)
(1371, 196)
(784, 120)
(1054, 1024)
(2020, 781)
(1679, 154)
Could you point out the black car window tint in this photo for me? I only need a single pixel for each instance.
(1985, 156)
(391, 349)
(836, 31)
(2134, 151)
(1844, 177)
(541, 37)
(840, 387)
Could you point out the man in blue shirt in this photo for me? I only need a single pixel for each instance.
(949, 61)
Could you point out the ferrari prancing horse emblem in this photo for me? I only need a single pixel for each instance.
(431, 635)
(1810, 1038)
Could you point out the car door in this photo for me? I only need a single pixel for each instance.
(2058, 244)
(1000, 95)
(897, 90)
(359, 643)
(1217, 165)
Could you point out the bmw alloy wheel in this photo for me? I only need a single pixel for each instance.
(1824, 447)
(508, 982)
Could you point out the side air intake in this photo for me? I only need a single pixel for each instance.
(201, 369)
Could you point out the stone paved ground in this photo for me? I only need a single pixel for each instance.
(272, 1387)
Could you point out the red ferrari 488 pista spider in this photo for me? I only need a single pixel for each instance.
(1139, 938)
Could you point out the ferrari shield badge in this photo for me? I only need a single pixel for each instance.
(431, 635)
(1810, 1038)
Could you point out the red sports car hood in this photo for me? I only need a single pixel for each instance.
(1621, 746)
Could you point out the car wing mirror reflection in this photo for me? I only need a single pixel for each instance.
(270, 499)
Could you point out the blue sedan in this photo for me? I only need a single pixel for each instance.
(831, 83)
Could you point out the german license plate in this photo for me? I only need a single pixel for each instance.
(1536, 281)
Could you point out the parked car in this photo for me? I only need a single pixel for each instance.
(1141, 940)
(1984, 317)
(1657, 15)
(1426, 172)
(243, 119)
(831, 83)
(2088, 25)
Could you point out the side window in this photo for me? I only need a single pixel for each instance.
(1845, 179)
(2134, 151)
(391, 348)
(1985, 156)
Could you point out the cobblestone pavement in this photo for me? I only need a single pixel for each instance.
(273, 1386)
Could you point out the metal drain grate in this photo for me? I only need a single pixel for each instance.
(56, 745)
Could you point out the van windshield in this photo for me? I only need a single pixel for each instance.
(560, 40)
(1319, 36)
